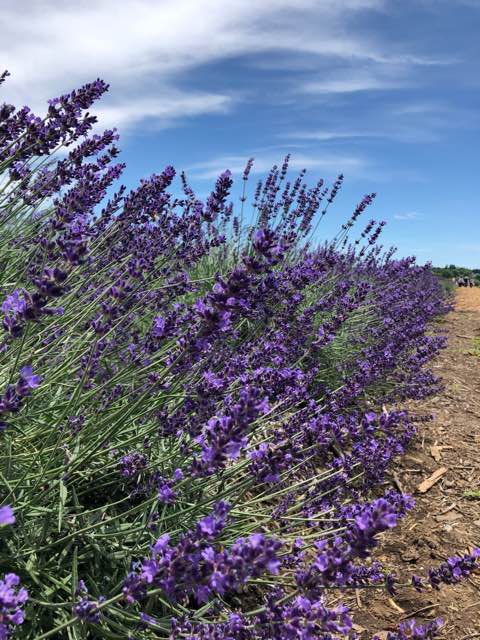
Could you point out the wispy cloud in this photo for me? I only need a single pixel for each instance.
(146, 49)
(394, 119)
(323, 135)
(385, 129)
(408, 215)
(163, 111)
(419, 108)
(352, 82)
(327, 164)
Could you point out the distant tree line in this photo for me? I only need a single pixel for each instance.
(452, 271)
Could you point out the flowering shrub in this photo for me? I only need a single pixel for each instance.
(192, 432)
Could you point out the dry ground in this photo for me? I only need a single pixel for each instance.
(446, 520)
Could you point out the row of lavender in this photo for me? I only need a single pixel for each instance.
(193, 443)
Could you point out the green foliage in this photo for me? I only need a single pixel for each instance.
(472, 495)
(476, 347)
(452, 271)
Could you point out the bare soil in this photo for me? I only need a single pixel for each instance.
(446, 519)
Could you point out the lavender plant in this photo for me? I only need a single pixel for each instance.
(192, 434)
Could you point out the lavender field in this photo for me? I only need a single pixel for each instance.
(199, 399)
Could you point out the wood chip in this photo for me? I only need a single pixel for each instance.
(414, 613)
(436, 453)
(427, 484)
(452, 506)
(395, 606)
(418, 460)
(398, 483)
(358, 628)
(358, 599)
(448, 517)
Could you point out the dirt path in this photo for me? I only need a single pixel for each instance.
(445, 521)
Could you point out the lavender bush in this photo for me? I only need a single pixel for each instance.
(192, 435)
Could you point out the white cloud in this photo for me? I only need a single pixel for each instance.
(408, 215)
(322, 135)
(351, 84)
(144, 48)
(162, 109)
(419, 108)
(370, 75)
(331, 164)
(385, 130)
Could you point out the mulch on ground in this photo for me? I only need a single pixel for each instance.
(446, 519)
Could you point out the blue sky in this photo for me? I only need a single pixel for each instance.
(385, 91)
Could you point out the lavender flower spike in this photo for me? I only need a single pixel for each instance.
(28, 381)
(6, 515)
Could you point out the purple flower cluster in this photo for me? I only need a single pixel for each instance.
(132, 464)
(195, 567)
(411, 630)
(452, 571)
(11, 400)
(300, 618)
(6, 515)
(224, 437)
(334, 564)
(25, 136)
(12, 599)
(86, 610)
(216, 200)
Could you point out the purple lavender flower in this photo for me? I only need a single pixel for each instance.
(6, 515)
(213, 524)
(132, 464)
(452, 571)
(411, 630)
(159, 327)
(28, 381)
(87, 610)
(14, 309)
(224, 437)
(267, 244)
(11, 400)
(216, 200)
(248, 168)
(13, 303)
(194, 567)
(166, 494)
(11, 600)
(417, 583)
